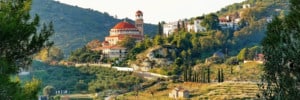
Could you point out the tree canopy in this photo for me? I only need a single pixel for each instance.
(281, 50)
(211, 22)
(20, 39)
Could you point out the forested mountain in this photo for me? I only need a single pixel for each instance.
(75, 26)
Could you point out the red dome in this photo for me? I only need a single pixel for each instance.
(124, 25)
(139, 13)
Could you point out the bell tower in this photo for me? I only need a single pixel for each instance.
(139, 22)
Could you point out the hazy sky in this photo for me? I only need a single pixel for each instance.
(154, 10)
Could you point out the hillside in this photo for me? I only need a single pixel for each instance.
(75, 26)
(212, 91)
(241, 84)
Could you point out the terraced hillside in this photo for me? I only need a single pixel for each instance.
(230, 90)
(214, 91)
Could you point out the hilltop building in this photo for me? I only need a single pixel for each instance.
(196, 26)
(110, 47)
(230, 21)
(170, 28)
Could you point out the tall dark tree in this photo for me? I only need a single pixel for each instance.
(222, 75)
(183, 26)
(219, 75)
(178, 26)
(160, 29)
(281, 47)
(208, 74)
(20, 39)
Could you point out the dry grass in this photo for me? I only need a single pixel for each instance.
(78, 96)
(213, 91)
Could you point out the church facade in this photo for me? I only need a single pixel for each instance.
(110, 47)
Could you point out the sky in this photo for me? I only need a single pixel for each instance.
(154, 10)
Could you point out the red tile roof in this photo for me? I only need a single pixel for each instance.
(124, 25)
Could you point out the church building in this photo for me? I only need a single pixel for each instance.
(110, 47)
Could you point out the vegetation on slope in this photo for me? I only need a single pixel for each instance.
(194, 48)
(60, 77)
(82, 79)
(214, 91)
(75, 26)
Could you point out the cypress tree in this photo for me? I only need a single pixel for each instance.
(219, 76)
(178, 27)
(183, 26)
(222, 75)
(160, 29)
(208, 74)
(203, 75)
(190, 73)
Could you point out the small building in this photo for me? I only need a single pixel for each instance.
(170, 28)
(112, 52)
(245, 6)
(196, 26)
(179, 92)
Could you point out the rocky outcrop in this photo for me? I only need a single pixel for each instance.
(153, 57)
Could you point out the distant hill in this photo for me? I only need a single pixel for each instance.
(75, 26)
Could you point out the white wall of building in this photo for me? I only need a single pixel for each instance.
(169, 28)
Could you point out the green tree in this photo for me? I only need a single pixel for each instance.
(50, 54)
(158, 40)
(183, 28)
(20, 39)
(243, 54)
(160, 29)
(84, 55)
(281, 77)
(178, 61)
(208, 74)
(222, 75)
(252, 52)
(49, 91)
(81, 85)
(184, 55)
(128, 42)
(219, 76)
(211, 21)
(232, 61)
(31, 89)
(178, 26)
